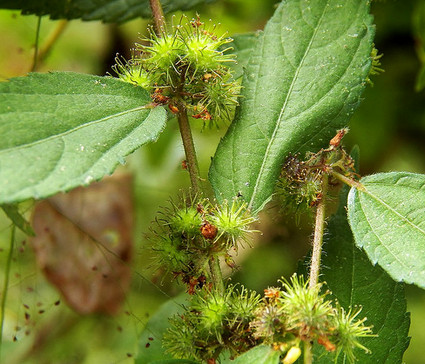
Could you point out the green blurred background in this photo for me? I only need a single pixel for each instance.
(389, 128)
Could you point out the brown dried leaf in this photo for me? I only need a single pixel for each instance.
(83, 244)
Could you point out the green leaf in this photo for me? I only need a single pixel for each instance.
(261, 354)
(62, 130)
(303, 81)
(13, 214)
(150, 340)
(354, 281)
(110, 11)
(388, 222)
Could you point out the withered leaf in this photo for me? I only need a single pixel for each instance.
(83, 244)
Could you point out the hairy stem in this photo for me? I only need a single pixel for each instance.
(308, 355)
(318, 235)
(216, 274)
(158, 16)
(189, 148)
(6, 283)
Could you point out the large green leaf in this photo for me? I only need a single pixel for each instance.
(303, 81)
(388, 222)
(354, 281)
(106, 10)
(62, 130)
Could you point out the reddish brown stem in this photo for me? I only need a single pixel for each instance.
(158, 16)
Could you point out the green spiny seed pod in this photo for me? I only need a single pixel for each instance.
(305, 307)
(132, 72)
(186, 221)
(268, 323)
(347, 332)
(164, 52)
(203, 46)
(212, 309)
(232, 221)
(170, 254)
(220, 95)
(188, 67)
(180, 339)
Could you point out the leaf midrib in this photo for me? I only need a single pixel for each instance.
(79, 127)
(282, 110)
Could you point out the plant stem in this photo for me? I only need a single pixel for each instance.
(189, 148)
(41, 54)
(6, 284)
(308, 356)
(37, 38)
(348, 181)
(318, 235)
(216, 275)
(158, 16)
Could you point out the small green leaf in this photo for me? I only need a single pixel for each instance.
(61, 130)
(150, 340)
(261, 354)
(109, 11)
(354, 281)
(388, 222)
(13, 214)
(302, 83)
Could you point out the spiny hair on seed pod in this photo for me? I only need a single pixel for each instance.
(305, 307)
(132, 72)
(170, 254)
(181, 340)
(268, 322)
(220, 96)
(203, 47)
(242, 303)
(212, 310)
(347, 331)
(164, 51)
(183, 218)
(233, 221)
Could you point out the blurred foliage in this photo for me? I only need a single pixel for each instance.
(389, 128)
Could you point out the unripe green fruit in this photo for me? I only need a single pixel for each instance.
(165, 52)
(170, 254)
(186, 221)
(213, 313)
(132, 73)
(202, 53)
